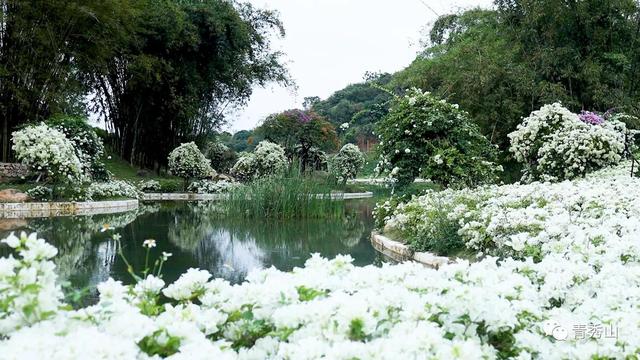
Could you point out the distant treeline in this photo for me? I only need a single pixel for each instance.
(501, 64)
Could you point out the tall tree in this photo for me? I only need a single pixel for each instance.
(300, 132)
(40, 42)
(185, 65)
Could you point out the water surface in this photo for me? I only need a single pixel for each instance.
(196, 237)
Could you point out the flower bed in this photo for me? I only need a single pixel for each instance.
(524, 220)
(571, 290)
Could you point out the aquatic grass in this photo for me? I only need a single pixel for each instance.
(293, 196)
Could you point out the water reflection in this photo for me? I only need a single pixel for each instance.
(197, 238)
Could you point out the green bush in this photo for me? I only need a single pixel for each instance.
(423, 136)
(221, 156)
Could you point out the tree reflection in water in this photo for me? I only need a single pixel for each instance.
(198, 237)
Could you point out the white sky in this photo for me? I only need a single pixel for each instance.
(332, 43)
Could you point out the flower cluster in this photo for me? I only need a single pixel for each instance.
(112, 189)
(186, 161)
(149, 186)
(47, 149)
(423, 136)
(590, 118)
(211, 187)
(87, 144)
(28, 289)
(555, 144)
(268, 159)
(346, 163)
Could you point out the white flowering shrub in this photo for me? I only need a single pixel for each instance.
(86, 143)
(186, 161)
(149, 186)
(245, 168)
(268, 159)
(48, 150)
(555, 144)
(112, 189)
(211, 187)
(346, 163)
(423, 136)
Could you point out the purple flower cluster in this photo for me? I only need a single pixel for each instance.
(302, 116)
(591, 118)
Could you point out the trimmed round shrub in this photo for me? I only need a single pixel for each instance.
(48, 150)
(221, 156)
(555, 144)
(268, 159)
(424, 136)
(186, 161)
(346, 163)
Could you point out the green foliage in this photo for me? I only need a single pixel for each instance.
(221, 156)
(162, 72)
(500, 65)
(151, 344)
(356, 330)
(185, 62)
(42, 44)
(294, 196)
(423, 136)
(360, 105)
(40, 193)
(308, 294)
(299, 131)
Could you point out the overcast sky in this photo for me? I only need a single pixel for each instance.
(332, 43)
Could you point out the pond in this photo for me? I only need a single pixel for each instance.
(197, 238)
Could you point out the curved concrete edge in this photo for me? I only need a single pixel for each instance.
(351, 196)
(214, 197)
(181, 197)
(401, 252)
(380, 181)
(49, 209)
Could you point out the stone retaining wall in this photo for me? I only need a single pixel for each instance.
(13, 171)
(49, 209)
(401, 252)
